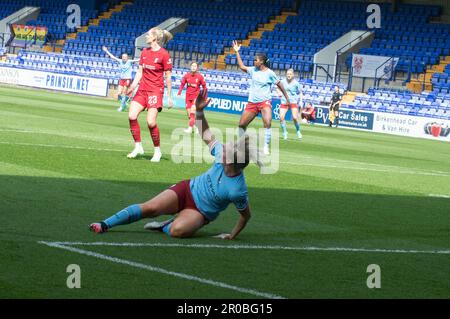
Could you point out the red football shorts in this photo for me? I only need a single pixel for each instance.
(190, 103)
(125, 82)
(183, 191)
(257, 107)
(149, 100)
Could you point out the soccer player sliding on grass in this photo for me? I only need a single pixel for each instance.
(198, 201)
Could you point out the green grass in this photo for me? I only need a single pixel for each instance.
(63, 165)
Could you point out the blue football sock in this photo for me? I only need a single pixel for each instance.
(283, 127)
(267, 136)
(119, 97)
(123, 102)
(241, 131)
(128, 215)
(166, 229)
(297, 126)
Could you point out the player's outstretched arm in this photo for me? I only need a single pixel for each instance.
(236, 48)
(244, 217)
(105, 49)
(183, 83)
(200, 105)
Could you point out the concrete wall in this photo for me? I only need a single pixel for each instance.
(327, 56)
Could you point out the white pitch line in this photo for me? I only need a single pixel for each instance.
(382, 166)
(21, 131)
(162, 271)
(438, 196)
(64, 146)
(258, 247)
(367, 169)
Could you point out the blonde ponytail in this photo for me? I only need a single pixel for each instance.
(167, 36)
(162, 36)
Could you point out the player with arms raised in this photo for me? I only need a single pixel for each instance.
(260, 95)
(126, 72)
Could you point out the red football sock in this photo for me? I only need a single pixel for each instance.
(191, 119)
(135, 130)
(154, 132)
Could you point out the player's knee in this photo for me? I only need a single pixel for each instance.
(178, 231)
(132, 116)
(151, 124)
(242, 125)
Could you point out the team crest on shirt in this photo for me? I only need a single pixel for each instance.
(156, 60)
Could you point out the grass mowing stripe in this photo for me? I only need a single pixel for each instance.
(281, 162)
(262, 247)
(163, 271)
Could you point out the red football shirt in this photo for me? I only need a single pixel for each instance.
(193, 82)
(154, 64)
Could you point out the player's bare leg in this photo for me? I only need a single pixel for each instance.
(246, 118)
(165, 203)
(186, 223)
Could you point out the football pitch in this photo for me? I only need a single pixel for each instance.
(342, 200)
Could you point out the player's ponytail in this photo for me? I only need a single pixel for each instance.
(162, 36)
(167, 36)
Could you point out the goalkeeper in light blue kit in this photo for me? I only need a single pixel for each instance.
(126, 77)
(292, 88)
(198, 201)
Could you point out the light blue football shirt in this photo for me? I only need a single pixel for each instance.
(292, 89)
(261, 84)
(213, 191)
(126, 70)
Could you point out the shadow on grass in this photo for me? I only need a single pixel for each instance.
(52, 207)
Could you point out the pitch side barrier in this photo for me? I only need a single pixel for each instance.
(54, 81)
(379, 122)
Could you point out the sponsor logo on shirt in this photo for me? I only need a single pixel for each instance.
(148, 66)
